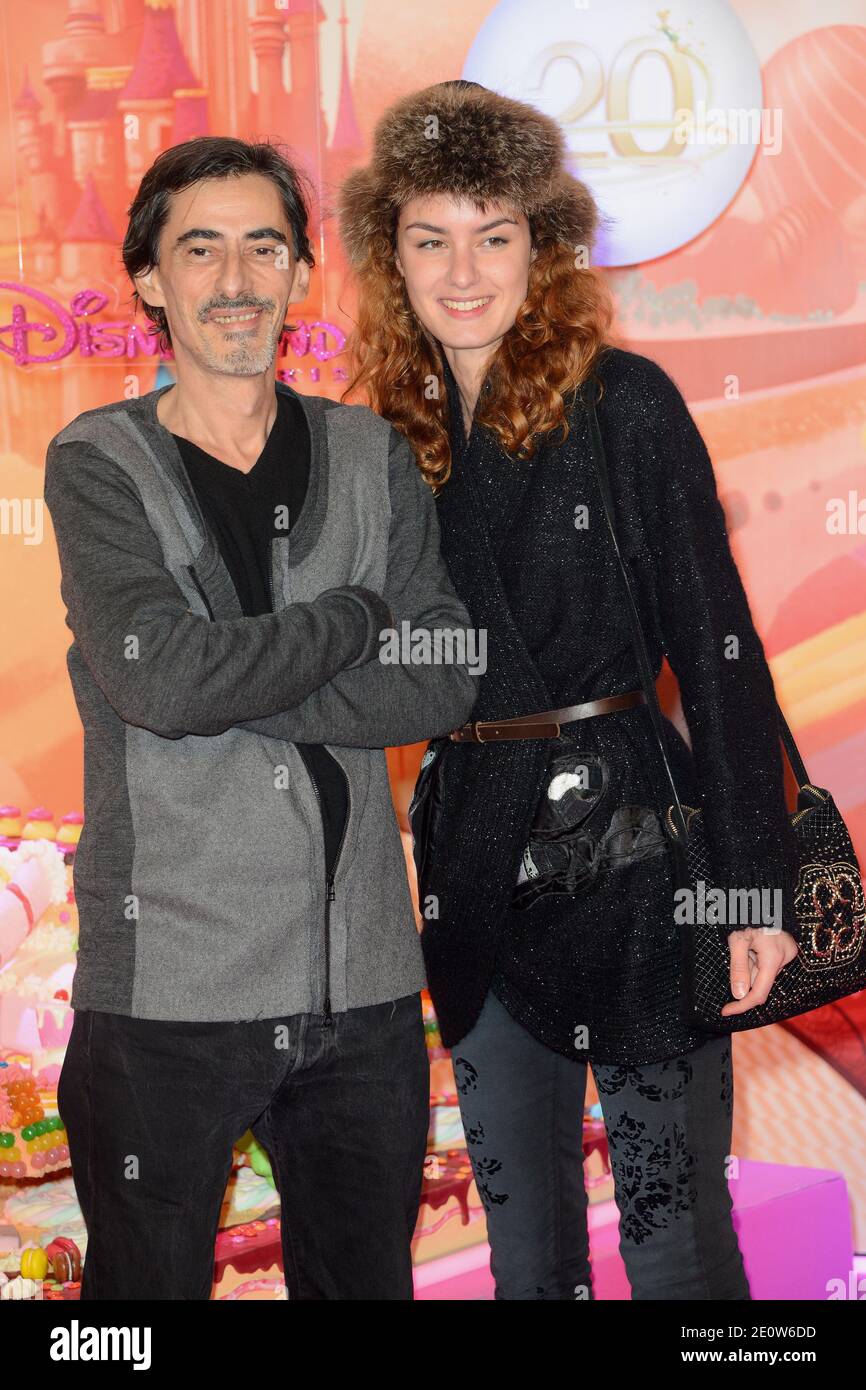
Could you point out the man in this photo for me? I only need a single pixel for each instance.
(230, 552)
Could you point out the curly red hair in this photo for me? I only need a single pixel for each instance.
(551, 348)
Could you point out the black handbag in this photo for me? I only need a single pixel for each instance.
(828, 896)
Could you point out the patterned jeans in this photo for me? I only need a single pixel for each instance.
(669, 1132)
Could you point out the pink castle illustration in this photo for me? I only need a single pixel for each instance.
(168, 70)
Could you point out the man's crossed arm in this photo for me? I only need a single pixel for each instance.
(292, 674)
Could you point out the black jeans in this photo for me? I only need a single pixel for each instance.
(669, 1134)
(153, 1108)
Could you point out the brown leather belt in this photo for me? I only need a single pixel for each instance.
(543, 725)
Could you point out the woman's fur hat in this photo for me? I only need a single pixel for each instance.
(481, 146)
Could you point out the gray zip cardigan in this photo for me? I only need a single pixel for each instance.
(200, 874)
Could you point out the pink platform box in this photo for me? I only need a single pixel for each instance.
(793, 1225)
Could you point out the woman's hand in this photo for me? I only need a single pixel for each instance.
(757, 956)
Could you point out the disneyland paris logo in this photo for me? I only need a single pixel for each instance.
(437, 646)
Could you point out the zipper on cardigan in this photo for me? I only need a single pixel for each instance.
(330, 892)
(198, 584)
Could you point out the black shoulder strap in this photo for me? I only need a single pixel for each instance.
(639, 642)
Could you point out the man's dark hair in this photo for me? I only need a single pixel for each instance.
(208, 157)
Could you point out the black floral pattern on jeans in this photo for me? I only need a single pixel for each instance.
(613, 1079)
(465, 1075)
(727, 1080)
(466, 1079)
(653, 1176)
(654, 1172)
(484, 1169)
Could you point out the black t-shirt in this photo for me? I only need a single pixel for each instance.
(242, 511)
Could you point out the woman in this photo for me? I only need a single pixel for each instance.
(545, 883)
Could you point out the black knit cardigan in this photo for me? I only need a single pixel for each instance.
(549, 595)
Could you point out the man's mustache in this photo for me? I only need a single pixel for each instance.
(208, 309)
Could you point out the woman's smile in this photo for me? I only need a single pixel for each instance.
(466, 308)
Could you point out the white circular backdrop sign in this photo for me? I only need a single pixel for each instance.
(661, 108)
